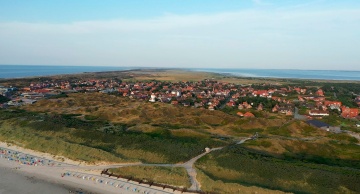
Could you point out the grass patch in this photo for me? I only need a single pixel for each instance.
(343, 137)
(262, 170)
(116, 143)
(176, 176)
(218, 186)
(261, 143)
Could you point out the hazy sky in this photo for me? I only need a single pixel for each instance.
(291, 34)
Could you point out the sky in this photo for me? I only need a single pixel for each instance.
(260, 34)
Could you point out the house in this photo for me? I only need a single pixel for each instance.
(186, 104)
(246, 105)
(320, 92)
(347, 112)
(198, 104)
(211, 107)
(301, 99)
(240, 114)
(28, 101)
(260, 107)
(303, 90)
(288, 110)
(165, 100)
(240, 107)
(249, 115)
(333, 104)
(318, 99)
(261, 93)
(33, 95)
(318, 113)
(231, 104)
(289, 113)
(275, 108)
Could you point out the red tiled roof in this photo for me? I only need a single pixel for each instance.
(249, 114)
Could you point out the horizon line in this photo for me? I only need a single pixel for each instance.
(154, 67)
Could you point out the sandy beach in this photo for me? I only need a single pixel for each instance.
(18, 176)
(15, 179)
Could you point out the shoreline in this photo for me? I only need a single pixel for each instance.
(219, 71)
(58, 179)
(14, 175)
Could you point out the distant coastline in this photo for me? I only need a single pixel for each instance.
(25, 71)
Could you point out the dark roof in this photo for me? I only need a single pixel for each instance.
(317, 123)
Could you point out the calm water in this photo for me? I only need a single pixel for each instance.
(284, 73)
(18, 71)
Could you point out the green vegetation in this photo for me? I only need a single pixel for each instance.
(262, 143)
(268, 104)
(346, 124)
(289, 155)
(217, 186)
(248, 167)
(175, 176)
(90, 117)
(303, 110)
(3, 99)
(343, 92)
(61, 95)
(47, 132)
(344, 138)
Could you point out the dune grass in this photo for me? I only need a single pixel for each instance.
(217, 186)
(254, 168)
(89, 141)
(176, 176)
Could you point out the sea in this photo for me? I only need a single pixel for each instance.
(21, 71)
(289, 73)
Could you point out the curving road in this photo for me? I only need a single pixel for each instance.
(189, 166)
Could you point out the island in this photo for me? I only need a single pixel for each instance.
(178, 131)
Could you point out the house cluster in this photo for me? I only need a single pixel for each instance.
(6, 91)
(247, 98)
(203, 94)
(321, 106)
(206, 94)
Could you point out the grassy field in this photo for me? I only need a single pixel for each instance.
(132, 129)
(147, 117)
(175, 176)
(239, 165)
(76, 139)
(210, 185)
(183, 75)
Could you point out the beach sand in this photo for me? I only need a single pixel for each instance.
(15, 181)
(18, 178)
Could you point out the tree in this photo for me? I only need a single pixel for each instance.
(3, 99)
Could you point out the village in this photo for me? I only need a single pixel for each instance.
(263, 117)
(309, 102)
